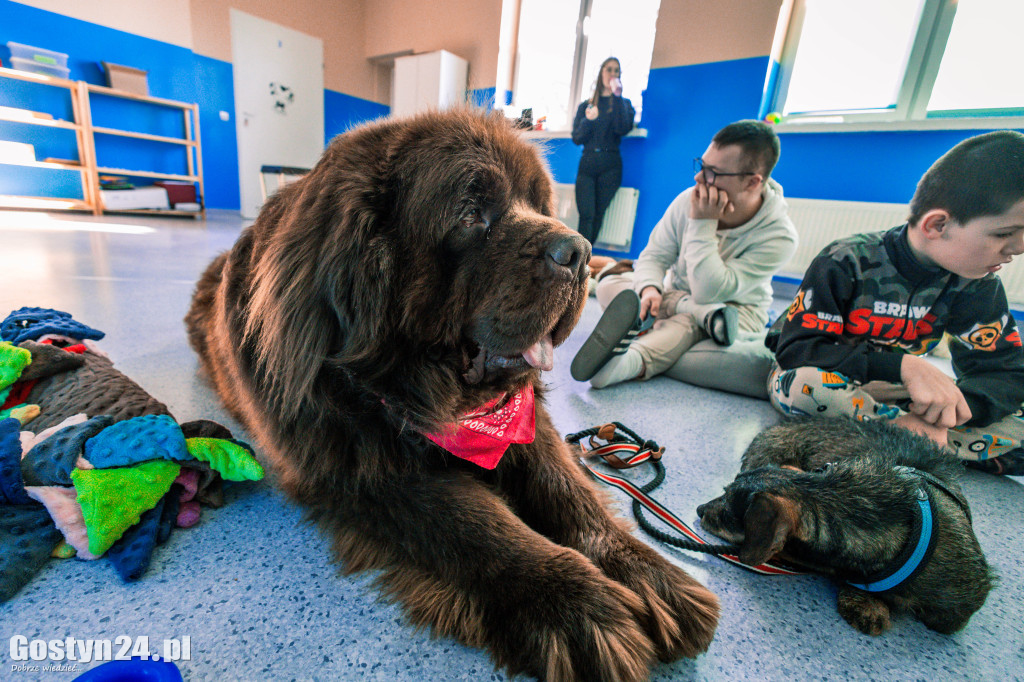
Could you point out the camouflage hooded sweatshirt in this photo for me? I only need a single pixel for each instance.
(866, 300)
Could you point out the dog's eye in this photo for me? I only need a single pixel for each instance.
(474, 218)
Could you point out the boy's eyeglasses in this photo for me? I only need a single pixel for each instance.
(709, 174)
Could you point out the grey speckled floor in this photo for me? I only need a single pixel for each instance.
(253, 589)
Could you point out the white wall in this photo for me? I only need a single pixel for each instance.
(169, 21)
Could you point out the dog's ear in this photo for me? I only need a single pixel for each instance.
(769, 521)
(323, 274)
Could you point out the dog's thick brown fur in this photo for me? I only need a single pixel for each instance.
(414, 274)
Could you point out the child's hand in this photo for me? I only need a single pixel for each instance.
(934, 396)
(591, 112)
(919, 426)
(650, 301)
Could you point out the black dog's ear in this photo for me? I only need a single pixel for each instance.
(768, 522)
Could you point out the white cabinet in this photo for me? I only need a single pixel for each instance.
(433, 80)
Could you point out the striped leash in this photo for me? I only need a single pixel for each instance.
(628, 451)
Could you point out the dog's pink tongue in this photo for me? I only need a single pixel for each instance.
(541, 354)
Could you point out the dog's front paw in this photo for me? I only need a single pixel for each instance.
(680, 615)
(868, 614)
(574, 624)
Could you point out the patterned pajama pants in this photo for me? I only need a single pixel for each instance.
(817, 392)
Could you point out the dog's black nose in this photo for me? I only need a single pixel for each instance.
(568, 253)
(700, 510)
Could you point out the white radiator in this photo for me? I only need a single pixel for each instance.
(616, 232)
(819, 222)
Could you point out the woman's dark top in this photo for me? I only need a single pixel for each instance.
(615, 119)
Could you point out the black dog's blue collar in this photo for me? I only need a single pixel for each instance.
(918, 557)
(919, 547)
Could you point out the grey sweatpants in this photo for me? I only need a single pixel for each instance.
(670, 337)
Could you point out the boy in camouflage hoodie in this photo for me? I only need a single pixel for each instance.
(871, 305)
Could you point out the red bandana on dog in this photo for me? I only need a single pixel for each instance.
(483, 437)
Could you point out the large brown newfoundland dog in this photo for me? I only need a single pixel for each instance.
(381, 330)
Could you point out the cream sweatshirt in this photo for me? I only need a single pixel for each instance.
(719, 266)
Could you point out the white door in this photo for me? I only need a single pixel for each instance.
(279, 100)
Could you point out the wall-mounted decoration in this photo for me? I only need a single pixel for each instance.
(282, 95)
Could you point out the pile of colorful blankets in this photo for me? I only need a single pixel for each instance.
(91, 465)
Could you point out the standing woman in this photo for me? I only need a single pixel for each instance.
(600, 123)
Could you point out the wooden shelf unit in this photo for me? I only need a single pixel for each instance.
(46, 164)
(143, 136)
(83, 138)
(11, 201)
(34, 118)
(86, 138)
(190, 144)
(147, 174)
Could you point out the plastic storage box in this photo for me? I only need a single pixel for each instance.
(178, 192)
(36, 67)
(38, 60)
(140, 197)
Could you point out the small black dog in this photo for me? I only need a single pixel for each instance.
(873, 506)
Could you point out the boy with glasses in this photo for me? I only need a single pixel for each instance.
(706, 271)
(871, 305)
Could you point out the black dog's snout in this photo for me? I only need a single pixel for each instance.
(569, 253)
(700, 510)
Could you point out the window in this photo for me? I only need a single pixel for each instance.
(562, 44)
(898, 60)
(981, 65)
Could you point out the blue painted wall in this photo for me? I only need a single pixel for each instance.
(485, 98)
(879, 166)
(174, 73)
(342, 111)
(683, 108)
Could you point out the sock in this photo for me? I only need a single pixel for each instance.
(684, 305)
(620, 368)
(717, 328)
(721, 325)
